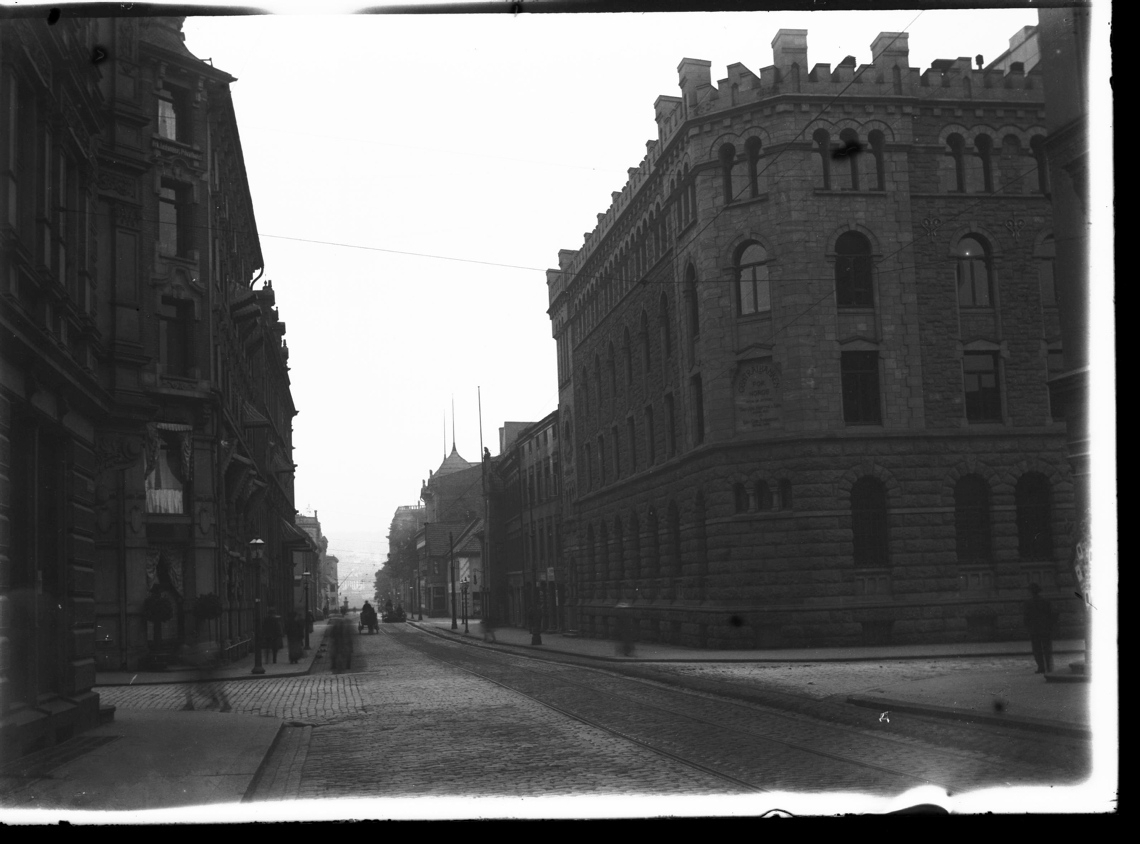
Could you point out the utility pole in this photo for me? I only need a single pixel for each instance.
(536, 613)
(451, 564)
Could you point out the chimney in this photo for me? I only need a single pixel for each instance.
(790, 45)
(893, 47)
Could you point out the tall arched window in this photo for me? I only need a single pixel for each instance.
(975, 284)
(869, 523)
(599, 381)
(878, 150)
(954, 165)
(972, 519)
(1037, 145)
(727, 160)
(984, 145)
(753, 289)
(694, 310)
(674, 539)
(822, 141)
(602, 459)
(740, 497)
(627, 356)
(585, 390)
(652, 530)
(633, 562)
(645, 358)
(752, 152)
(666, 328)
(850, 151)
(612, 364)
(763, 496)
(1033, 498)
(686, 196)
(854, 287)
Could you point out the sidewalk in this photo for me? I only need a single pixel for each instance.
(1015, 697)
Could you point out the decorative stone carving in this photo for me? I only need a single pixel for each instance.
(127, 215)
(164, 569)
(121, 185)
(117, 452)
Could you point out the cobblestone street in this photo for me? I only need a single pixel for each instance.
(419, 716)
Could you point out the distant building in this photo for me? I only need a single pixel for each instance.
(453, 499)
(310, 590)
(803, 361)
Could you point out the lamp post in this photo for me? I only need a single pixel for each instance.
(463, 586)
(256, 550)
(305, 577)
(451, 563)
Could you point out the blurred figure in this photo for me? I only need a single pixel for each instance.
(205, 658)
(625, 629)
(271, 634)
(341, 636)
(295, 636)
(489, 629)
(1040, 617)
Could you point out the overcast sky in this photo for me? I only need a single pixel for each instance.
(412, 179)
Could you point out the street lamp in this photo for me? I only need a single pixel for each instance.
(463, 585)
(305, 577)
(256, 550)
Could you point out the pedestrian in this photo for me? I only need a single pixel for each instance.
(625, 629)
(489, 629)
(271, 634)
(205, 658)
(295, 636)
(1040, 618)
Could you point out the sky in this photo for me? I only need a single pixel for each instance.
(414, 176)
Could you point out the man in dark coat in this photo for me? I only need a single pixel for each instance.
(1039, 620)
(272, 631)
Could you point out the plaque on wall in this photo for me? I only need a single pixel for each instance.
(756, 394)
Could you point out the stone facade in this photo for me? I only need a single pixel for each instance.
(803, 361)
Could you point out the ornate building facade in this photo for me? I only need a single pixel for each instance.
(803, 361)
(146, 408)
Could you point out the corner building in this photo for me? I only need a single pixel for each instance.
(803, 362)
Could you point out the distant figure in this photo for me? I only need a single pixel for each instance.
(344, 608)
(625, 629)
(206, 659)
(489, 629)
(271, 634)
(295, 636)
(1040, 618)
(368, 617)
(342, 637)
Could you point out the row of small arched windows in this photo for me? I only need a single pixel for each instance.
(761, 497)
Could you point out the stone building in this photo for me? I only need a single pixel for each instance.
(453, 499)
(145, 408)
(803, 361)
(526, 521)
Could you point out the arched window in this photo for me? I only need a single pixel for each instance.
(752, 152)
(1046, 258)
(975, 285)
(698, 408)
(645, 359)
(984, 146)
(601, 459)
(740, 496)
(652, 530)
(627, 356)
(598, 380)
(585, 390)
(850, 151)
(616, 441)
(666, 328)
(763, 496)
(727, 159)
(785, 495)
(588, 459)
(1033, 498)
(853, 276)
(822, 141)
(954, 166)
(686, 207)
(674, 539)
(972, 519)
(694, 309)
(612, 364)
(878, 145)
(869, 523)
(634, 561)
(1037, 145)
(753, 290)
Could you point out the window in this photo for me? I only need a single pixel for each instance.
(1037, 145)
(752, 151)
(631, 429)
(589, 461)
(975, 287)
(822, 141)
(983, 393)
(1046, 261)
(670, 427)
(166, 471)
(860, 377)
(175, 336)
(650, 444)
(694, 310)
(612, 364)
(698, 408)
(763, 496)
(727, 159)
(740, 497)
(972, 519)
(617, 451)
(878, 143)
(666, 328)
(601, 459)
(853, 280)
(627, 357)
(869, 523)
(645, 361)
(983, 171)
(785, 492)
(1034, 532)
(598, 380)
(753, 290)
(954, 166)
(850, 152)
(173, 114)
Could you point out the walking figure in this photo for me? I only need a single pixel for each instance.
(272, 632)
(489, 629)
(206, 659)
(1040, 618)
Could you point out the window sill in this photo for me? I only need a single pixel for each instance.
(756, 316)
(833, 192)
(744, 203)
